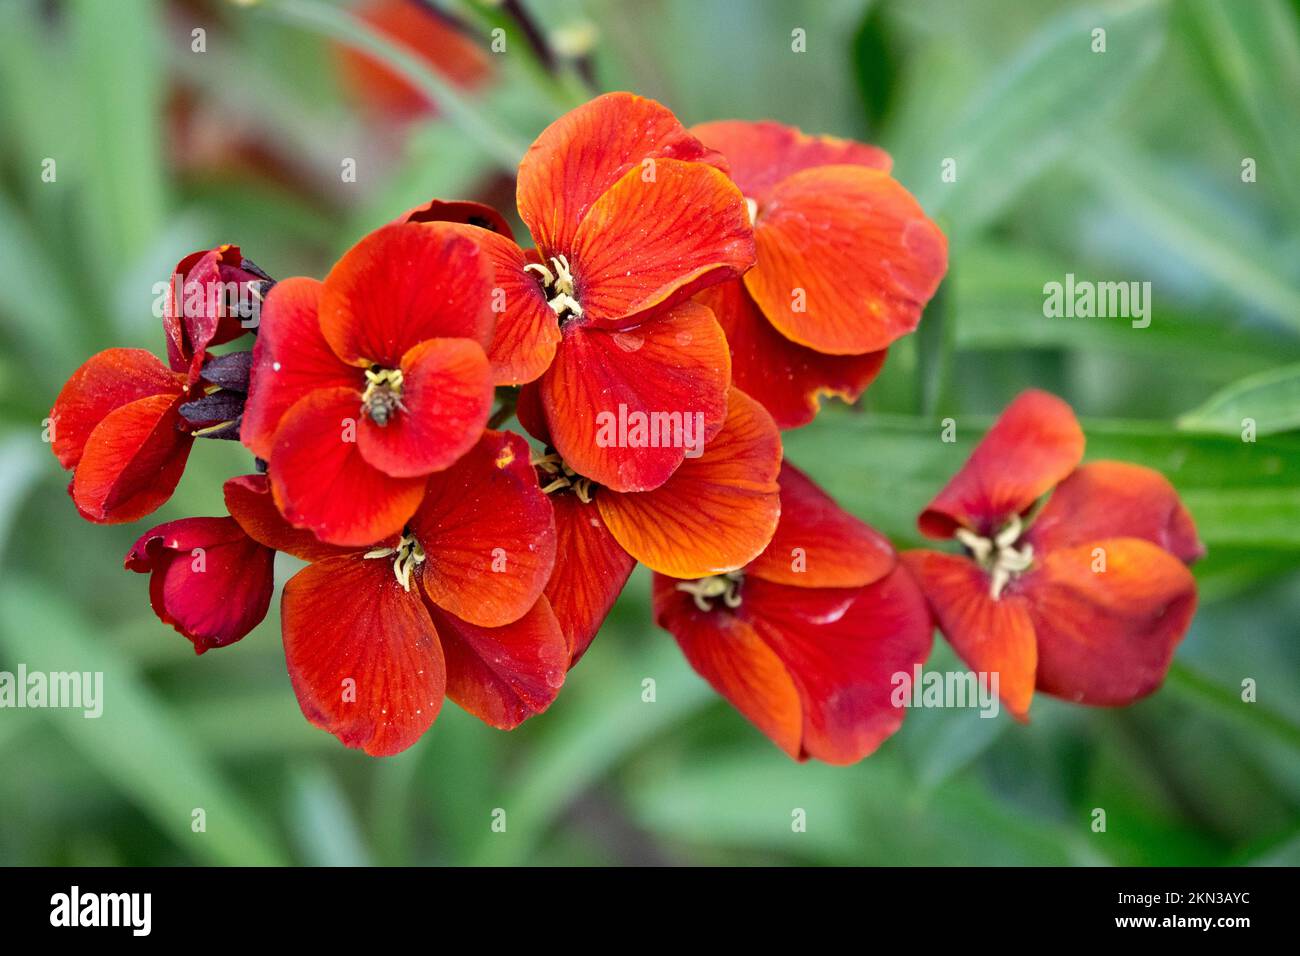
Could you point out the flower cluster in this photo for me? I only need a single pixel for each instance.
(681, 297)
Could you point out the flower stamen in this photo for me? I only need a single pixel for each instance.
(558, 286)
(998, 555)
(704, 590)
(383, 394)
(562, 477)
(409, 553)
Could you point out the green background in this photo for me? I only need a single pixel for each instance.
(1123, 165)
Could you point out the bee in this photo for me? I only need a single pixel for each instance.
(380, 406)
(383, 394)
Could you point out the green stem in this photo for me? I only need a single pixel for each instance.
(338, 24)
(1189, 682)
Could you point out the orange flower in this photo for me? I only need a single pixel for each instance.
(805, 640)
(846, 262)
(1085, 598)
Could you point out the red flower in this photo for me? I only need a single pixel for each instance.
(450, 605)
(117, 424)
(631, 216)
(210, 580)
(364, 384)
(213, 298)
(805, 640)
(846, 262)
(1084, 599)
(712, 516)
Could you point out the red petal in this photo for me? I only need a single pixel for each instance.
(788, 379)
(583, 153)
(290, 359)
(363, 656)
(846, 259)
(646, 245)
(211, 582)
(1112, 499)
(1107, 637)
(675, 368)
(991, 636)
(402, 284)
(717, 512)
(811, 667)
(764, 153)
(461, 211)
(249, 501)
(488, 533)
(819, 545)
(321, 481)
(107, 381)
(1032, 446)
(132, 461)
(591, 569)
(447, 394)
(200, 316)
(504, 675)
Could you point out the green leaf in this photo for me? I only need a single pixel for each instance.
(138, 743)
(1271, 399)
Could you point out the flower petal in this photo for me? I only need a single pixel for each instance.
(107, 381)
(583, 153)
(1107, 637)
(991, 636)
(671, 371)
(645, 245)
(249, 501)
(788, 379)
(461, 211)
(402, 284)
(132, 461)
(211, 581)
(504, 675)
(846, 259)
(363, 655)
(591, 569)
(1032, 446)
(1112, 499)
(717, 512)
(447, 398)
(488, 533)
(321, 481)
(205, 313)
(817, 544)
(764, 153)
(290, 359)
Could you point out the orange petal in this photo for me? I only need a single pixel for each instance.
(1032, 446)
(591, 569)
(646, 245)
(991, 636)
(727, 651)
(488, 533)
(249, 501)
(322, 483)
(1107, 637)
(290, 359)
(717, 512)
(1110, 499)
(504, 675)
(363, 655)
(106, 381)
(671, 372)
(846, 259)
(764, 153)
(132, 461)
(402, 284)
(817, 544)
(583, 153)
(788, 379)
(462, 211)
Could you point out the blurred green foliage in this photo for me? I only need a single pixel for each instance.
(1116, 166)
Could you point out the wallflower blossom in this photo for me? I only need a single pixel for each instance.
(212, 299)
(805, 639)
(631, 216)
(450, 605)
(367, 382)
(1085, 598)
(712, 516)
(847, 261)
(209, 580)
